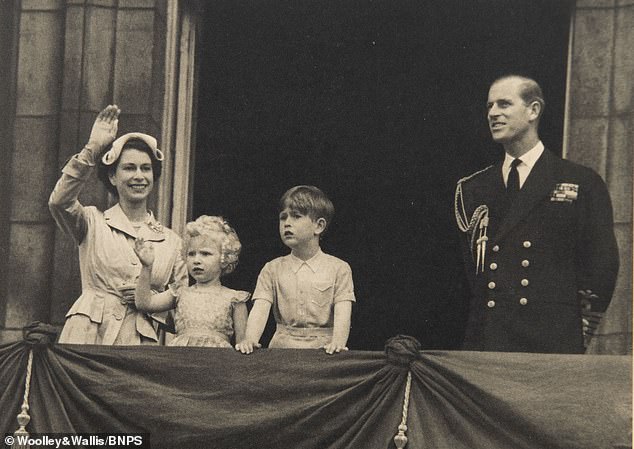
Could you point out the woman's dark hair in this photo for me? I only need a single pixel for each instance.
(104, 171)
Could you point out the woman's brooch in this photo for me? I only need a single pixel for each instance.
(155, 226)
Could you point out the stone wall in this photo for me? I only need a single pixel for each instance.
(601, 135)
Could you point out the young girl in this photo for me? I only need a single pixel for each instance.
(206, 313)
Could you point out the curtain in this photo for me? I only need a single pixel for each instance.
(306, 399)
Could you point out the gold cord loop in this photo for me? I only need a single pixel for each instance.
(401, 439)
(23, 416)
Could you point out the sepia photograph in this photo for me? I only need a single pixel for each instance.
(319, 224)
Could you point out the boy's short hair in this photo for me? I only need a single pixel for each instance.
(308, 200)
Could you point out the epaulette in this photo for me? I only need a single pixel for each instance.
(479, 219)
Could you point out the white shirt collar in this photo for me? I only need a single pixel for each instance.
(313, 263)
(529, 159)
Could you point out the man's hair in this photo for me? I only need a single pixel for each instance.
(308, 200)
(529, 90)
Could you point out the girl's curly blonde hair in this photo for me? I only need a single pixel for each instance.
(218, 230)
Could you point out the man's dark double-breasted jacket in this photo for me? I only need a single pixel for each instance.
(535, 252)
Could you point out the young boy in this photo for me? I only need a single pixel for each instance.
(311, 292)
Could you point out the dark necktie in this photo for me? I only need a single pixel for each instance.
(513, 182)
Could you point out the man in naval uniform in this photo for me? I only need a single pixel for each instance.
(537, 237)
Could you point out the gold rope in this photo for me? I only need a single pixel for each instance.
(23, 416)
(400, 439)
(480, 220)
(463, 223)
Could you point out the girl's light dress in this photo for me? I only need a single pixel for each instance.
(205, 317)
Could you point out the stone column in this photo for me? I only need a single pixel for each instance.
(73, 58)
(32, 156)
(601, 135)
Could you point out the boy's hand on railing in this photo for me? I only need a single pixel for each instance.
(247, 346)
(333, 347)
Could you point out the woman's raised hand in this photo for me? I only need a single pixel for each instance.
(104, 130)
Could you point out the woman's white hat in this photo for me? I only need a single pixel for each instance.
(113, 153)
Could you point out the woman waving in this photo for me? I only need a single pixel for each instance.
(129, 167)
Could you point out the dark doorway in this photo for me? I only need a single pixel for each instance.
(381, 103)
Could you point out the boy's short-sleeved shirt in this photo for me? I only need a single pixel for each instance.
(303, 293)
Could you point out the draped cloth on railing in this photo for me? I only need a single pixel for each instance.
(305, 399)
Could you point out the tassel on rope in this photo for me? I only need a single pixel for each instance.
(402, 351)
(23, 417)
(401, 439)
(481, 243)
